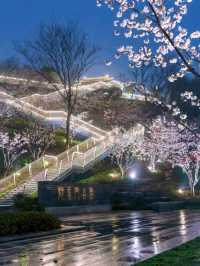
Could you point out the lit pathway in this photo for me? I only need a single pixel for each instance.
(17, 80)
(107, 240)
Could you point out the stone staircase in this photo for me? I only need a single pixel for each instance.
(74, 159)
(31, 185)
(78, 157)
(66, 162)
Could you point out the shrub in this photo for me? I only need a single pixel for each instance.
(27, 203)
(27, 222)
(102, 177)
(17, 124)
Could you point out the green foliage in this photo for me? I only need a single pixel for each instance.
(184, 255)
(27, 222)
(106, 176)
(27, 203)
(60, 143)
(17, 124)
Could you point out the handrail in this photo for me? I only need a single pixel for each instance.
(45, 83)
(87, 151)
(84, 158)
(43, 114)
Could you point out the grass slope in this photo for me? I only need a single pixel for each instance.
(185, 255)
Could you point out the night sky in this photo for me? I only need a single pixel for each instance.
(19, 20)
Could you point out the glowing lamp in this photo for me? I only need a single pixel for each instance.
(132, 175)
(46, 163)
(180, 191)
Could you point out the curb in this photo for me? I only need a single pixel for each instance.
(64, 229)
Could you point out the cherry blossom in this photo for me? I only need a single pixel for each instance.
(185, 153)
(170, 142)
(155, 33)
(12, 147)
(126, 148)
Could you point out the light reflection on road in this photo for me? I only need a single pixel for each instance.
(119, 239)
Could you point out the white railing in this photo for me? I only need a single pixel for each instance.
(79, 156)
(49, 115)
(83, 81)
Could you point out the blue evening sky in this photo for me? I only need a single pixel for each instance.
(19, 20)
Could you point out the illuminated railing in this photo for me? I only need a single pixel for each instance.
(17, 80)
(51, 167)
(49, 115)
(44, 165)
(27, 172)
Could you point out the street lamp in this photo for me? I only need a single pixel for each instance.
(180, 191)
(133, 174)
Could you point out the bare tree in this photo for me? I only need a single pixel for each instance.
(61, 54)
(9, 66)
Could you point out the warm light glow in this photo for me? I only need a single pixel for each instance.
(153, 170)
(180, 191)
(113, 175)
(46, 163)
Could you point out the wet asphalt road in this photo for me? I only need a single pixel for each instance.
(116, 239)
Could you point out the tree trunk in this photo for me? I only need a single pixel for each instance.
(7, 170)
(153, 163)
(67, 130)
(193, 190)
(122, 171)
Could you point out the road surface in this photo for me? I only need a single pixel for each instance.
(115, 239)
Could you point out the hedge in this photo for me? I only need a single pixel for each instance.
(27, 222)
(26, 203)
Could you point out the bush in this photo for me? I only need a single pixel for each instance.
(27, 203)
(102, 177)
(17, 124)
(27, 222)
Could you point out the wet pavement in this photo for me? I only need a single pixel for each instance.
(115, 239)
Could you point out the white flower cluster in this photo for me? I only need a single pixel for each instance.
(12, 147)
(188, 96)
(168, 141)
(157, 34)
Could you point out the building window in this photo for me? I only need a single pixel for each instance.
(84, 194)
(76, 193)
(91, 193)
(69, 193)
(61, 192)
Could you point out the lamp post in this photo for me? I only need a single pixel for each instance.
(133, 175)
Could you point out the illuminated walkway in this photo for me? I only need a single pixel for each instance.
(114, 239)
(81, 156)
(24, 81)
